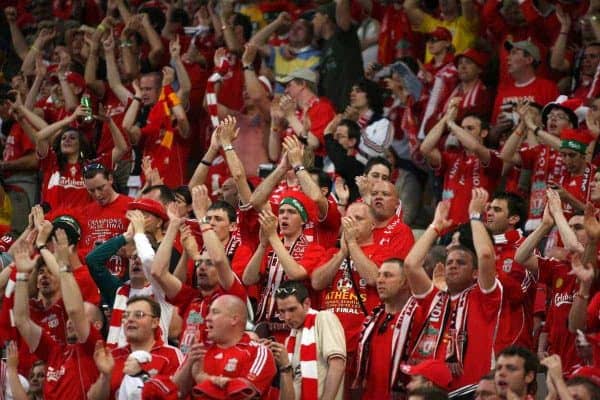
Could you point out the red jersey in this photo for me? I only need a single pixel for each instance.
(462, 173)
(516, 323)
(396, 236)
(579, 187)
(340, 295)
(546, 165)
(165, 361)
(476, 100)
(326, 231)
(538, 90)
(16, 146)
(461, 329)
(593, 314)
(65, 188)
(100, 223)
(194, 309)
(250, 366)
(562, 285)
(70, 368)
(319, 112)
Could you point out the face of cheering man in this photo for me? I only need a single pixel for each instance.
(384, 200)
(497, 219)
(595, 188)
(292, 311)
(139, 322)
(460, 271)
(290, 221)
(574, 161)
(390, 280)
(511, 375)
(206, 273)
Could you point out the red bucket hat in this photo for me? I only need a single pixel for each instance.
(151, 206)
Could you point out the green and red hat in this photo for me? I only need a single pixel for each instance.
(575, 139)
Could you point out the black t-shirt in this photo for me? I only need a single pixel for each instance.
(341, 66)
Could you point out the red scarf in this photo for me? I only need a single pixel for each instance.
(308, 356)
(116, 317)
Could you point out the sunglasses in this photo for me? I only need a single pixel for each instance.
(285, 291)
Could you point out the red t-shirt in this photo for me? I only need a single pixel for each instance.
(482, 315)
(462, 173)
(540, 91)
(546, 165)
(248, 364)
(378, 371)
(396, 236)
(194, 309)
(16, 146)
(579, 187)
(65, 188)
(340, 295)
(325, 232)
(320, 112)
(165, 361)
(516, 322)
(556, 275)
(100, 223)
(70, 369)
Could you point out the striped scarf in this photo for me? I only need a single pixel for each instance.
(308, 355)
(221, 69)
(115, 338)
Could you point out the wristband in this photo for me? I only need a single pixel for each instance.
(228, 147)
(224, 27)
(475, 216)
(34, 48)
(437, 231)
(287, 368)
(43, 246)
(205, 163)
(22, 277)
(138, 99)
(299, 168)
(248, 67)
(65, 268)
(584, 297)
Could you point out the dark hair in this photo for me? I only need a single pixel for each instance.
(490, 376)
(154, 306)
(462, 247)
(292, 288)
(225, 206)
(91, 170)
(245, 22)
(156, 76)
(592, 387)
(155, 16)
(184, 192)
(395, 260)
(324, 181)
(166, 194)
(374, 95)
(376, 161)
(353, 130)
(179, 15)
(429, 393)
(86, 151)
(530, 364)
(516, 206)
(485, 124)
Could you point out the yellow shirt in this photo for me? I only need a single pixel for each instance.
(6, 211)
(464, 32)
(255, 14)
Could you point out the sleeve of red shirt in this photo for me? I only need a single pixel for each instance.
(494, 168)
(242, 255)
(313, 258)
(512, 288)
(320, 116)
(89, 290)
(259, 373)
(593, 314)
(183, 299)
(489, 302)
(237, 289)
(528, 156)
(545, 269)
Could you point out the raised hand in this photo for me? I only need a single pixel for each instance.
(23, 261)
(250, 50)
(364, 185)
(173, 213)
(188, 240)
(137, 220)
(440, 219)
(479, 200)
(341, 190)
(349, 229)
(12, 355)
(593, 124)
(584, 273)
(287, 105)
(175, 48)
(62, 250)
(103, 358)
(168, 75)
(564, 18)
(228, 131)
(108, 44)
(220, 56)
(294, 150)
(554, 203)
(200, 201)
(547, 218)
(136, 88)
(268, 223)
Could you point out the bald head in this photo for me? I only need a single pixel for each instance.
(235, 307)
(384, 200)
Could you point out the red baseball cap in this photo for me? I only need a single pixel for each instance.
(441, 33)
(435, 371)
(592, 373)
(151, 206)
(479, 58)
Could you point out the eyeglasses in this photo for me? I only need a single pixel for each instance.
(285, 291)
(93, 167)
(577, 227)
(384, 325)
(137, 315)
(558, 115)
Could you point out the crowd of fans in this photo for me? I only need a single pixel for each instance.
(307, 199)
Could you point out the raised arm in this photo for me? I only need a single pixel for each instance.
(44, 136)
(343, 18)
(558, 61)
(185, 85)
(484, 248)
(201, 171)
(322, 276)
(525, 252)
(157, 49)
(568, 236)
(18, 40)
(12, 373)
(261, 37)
(365, 267)
(288, 107)
(91, 62)
(585, 276)
(429, 144)
(29, 330)
(295, 155)
(256, 91)
(414, 12)
(112, 71)
(418, 280)
(43, 38)
(470, 143)
(226, 135)
(160, 265)
(128, 124)
(260, 196)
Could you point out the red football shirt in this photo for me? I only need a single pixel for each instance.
(100, 223)
(70, 368)
(16, 146)
(396, 236)
(538, 90)
(378, 371)
(340, 295)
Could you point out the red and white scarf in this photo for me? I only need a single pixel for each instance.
(221, 70)
(116, 317)
(307, 356)
(276, 276)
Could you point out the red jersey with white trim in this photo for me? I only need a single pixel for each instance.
(16, 146)
(250, 366)
(480, 316)
(165, 361)
(593, 314)
(463, 172)
(579, 187)
(520, 286)
(326, 232)
(340, 295)
(538, 90)
(396, 236)
(546, 165)
(70, 368)
(562, 285)
(194, 307)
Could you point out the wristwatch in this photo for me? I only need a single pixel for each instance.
(204, 220)
(475, 216)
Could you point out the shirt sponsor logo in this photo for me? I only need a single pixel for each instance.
(55, 375)
(561, 299)
(231, 365)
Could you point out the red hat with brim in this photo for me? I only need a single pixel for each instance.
(592, 373)
(575, 139)
(441, 33)
(302, 203)
(479, 58)
(151, 206)
(435, 371)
